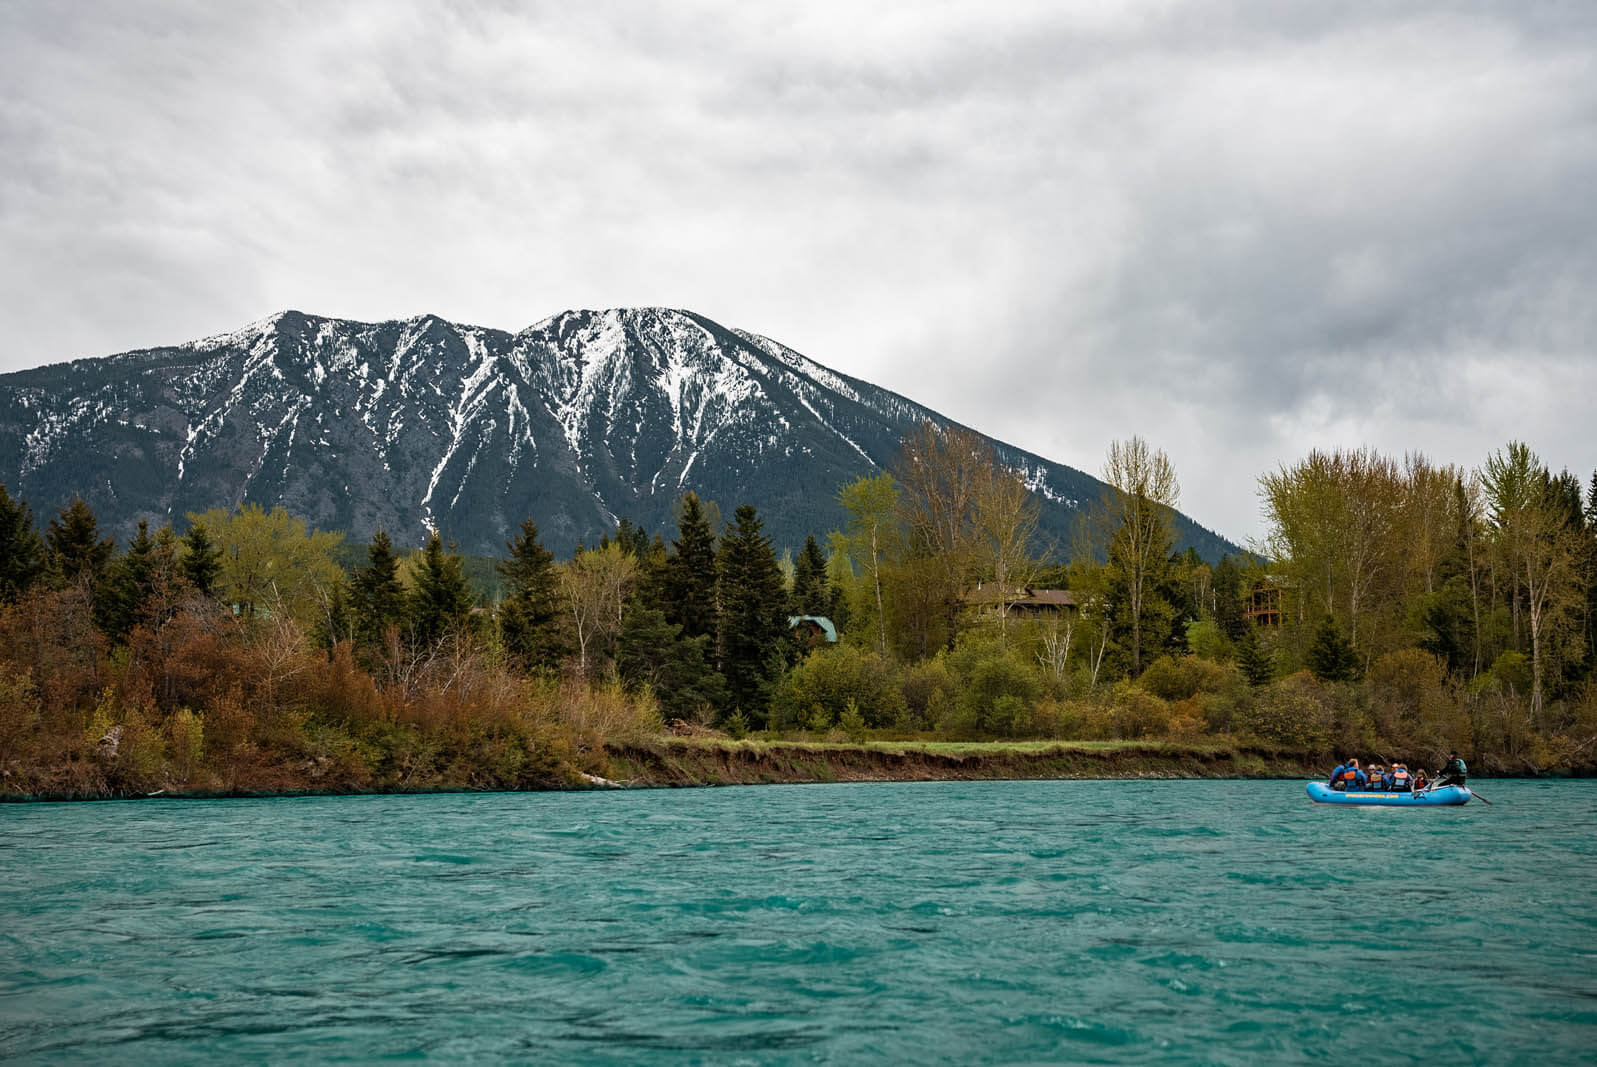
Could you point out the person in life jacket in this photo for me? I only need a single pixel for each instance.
(1377, 781)
(1402, 781)
(1453, 772)
(1347, 776)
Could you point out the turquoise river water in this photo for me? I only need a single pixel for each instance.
(1169, 922)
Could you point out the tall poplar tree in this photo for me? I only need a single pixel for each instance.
(753, 615)
(872, 538)
(1145, 492)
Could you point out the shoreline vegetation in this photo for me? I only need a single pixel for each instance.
(1397, 610)
(664, 762)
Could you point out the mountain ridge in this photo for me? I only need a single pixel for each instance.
(580, 419)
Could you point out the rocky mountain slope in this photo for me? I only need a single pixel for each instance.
(582, 419)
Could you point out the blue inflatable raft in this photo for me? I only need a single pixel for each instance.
(1436, 797)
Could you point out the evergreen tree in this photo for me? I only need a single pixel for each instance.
(653, 652)
(202, 560)
(1226, 587)
(753, 619)
(77, 552)
(441, 603)
(1330, 657)
(812, 590)
(634, 540)
(649, 591)
(691, 573)
(1253, 659)
(530, 615)
(379, 598)
(119, 596)
(21, 549)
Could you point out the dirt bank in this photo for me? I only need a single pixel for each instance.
(688, 762)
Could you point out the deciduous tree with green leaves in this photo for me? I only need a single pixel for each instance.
(872, 538)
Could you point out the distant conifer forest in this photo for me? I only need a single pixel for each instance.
(1396, 609)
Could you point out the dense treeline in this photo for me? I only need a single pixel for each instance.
(1413, 608)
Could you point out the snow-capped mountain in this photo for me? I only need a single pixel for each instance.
(578, 421)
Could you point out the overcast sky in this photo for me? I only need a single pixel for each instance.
(1240, 230)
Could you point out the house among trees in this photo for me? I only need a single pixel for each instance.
(1262, 606)
(1022, 600)
(812, 630)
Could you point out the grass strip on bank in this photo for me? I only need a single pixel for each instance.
(688, 761)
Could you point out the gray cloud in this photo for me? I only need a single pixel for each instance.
(1239, 229)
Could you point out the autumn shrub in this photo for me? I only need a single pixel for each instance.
(341, 689)
(1136, 713)
(1296, 712)
(185, 733)
(607, 710)
(997, 694)
(832, 678)
(928, 689)
(51, 634)
(1187, 720)
(19, 712)
(1398, 684)
(1166, 679)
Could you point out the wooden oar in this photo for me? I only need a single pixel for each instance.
(1478, 797)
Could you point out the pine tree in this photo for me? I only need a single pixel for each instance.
(1226, 587)
(202, 560)
(691, 573)
(440, 605)
(77, 552)
(753, 620)
(21, 549)
(530, 616)
(812, 590)
(1330, 657)
(653, 652)
(378, 597)
(634, 540)
(125, 582)
(1254, 661)
(649, 591)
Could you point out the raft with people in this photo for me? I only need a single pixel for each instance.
(1436, 796)
(1395, 786)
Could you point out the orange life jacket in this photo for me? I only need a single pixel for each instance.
(1350, 775)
